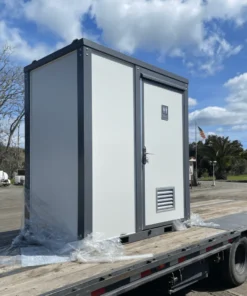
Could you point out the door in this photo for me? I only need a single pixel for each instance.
(163, 172)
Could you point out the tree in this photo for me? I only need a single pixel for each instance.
(224, 151)
(11, 99)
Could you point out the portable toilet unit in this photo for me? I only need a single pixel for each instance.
(106, 143)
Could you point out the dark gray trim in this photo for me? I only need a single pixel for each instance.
(84, 84)
(27, 144)
(131, 60)
(80, 111)
(141, 84)
(88, 161)
(79, 43)
(186, 155)
(138, 152)
(157, 225)
(76, 44)
(148, 232)
(164, 82)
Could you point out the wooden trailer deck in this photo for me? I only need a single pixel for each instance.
(40, 280)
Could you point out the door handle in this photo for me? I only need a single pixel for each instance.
(144, 155)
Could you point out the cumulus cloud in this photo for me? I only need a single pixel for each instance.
(235, 110)
(63, 18)
(192, 102)
(242, 127)
(220, 129)
(59, 17)
(176, 28)
(21, 49)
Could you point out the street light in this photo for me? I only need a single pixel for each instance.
(213, 163)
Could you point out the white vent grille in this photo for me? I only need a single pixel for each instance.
(165, 200)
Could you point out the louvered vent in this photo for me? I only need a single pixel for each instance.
(165, 199)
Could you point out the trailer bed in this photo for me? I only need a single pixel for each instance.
(168, 249)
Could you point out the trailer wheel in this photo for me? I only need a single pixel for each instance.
(236, 263)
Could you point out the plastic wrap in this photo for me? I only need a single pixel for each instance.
(194, 221)
(96, 248)
(179, 225)
(42, 241)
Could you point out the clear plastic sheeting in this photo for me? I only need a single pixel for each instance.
(179, 225)
(194, 221)
(95, 248)
(35, 256)
(42, 241)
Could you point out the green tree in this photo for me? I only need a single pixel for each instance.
(224, 151)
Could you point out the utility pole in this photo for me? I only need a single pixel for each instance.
(213, 163)
(196, 151)
(18, 146)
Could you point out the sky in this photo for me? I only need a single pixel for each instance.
(202, 40)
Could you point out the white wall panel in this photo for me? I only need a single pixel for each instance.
(113, 147)
(53, 142)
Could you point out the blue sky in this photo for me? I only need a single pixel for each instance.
(203, 40)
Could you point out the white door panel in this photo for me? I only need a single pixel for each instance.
(163, 139)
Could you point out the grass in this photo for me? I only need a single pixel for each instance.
(230, 178)
(237, 178)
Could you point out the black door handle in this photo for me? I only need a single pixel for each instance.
(144, 155)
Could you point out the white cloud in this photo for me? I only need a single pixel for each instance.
(220, 129)
(235, 110)
(216, 49)
(176, 28)
(63, 18)
(21, 49)
(192, 102)
(242, 127)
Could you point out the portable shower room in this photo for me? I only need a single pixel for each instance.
(106, 143)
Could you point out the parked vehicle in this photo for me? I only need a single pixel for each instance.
(4, 179)
(19, 179)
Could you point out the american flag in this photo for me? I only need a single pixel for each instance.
(202, 134)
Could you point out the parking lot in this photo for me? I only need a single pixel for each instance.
(11, 213)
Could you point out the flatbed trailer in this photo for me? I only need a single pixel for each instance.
(180, 259)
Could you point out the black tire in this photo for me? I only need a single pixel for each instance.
(235, 267)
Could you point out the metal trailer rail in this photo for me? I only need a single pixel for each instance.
(174, 268)
(133, 276)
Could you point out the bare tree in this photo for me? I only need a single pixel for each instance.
(11, 99)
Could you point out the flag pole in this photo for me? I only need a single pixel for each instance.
(196, 148)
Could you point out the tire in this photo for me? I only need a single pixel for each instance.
(235, 267)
